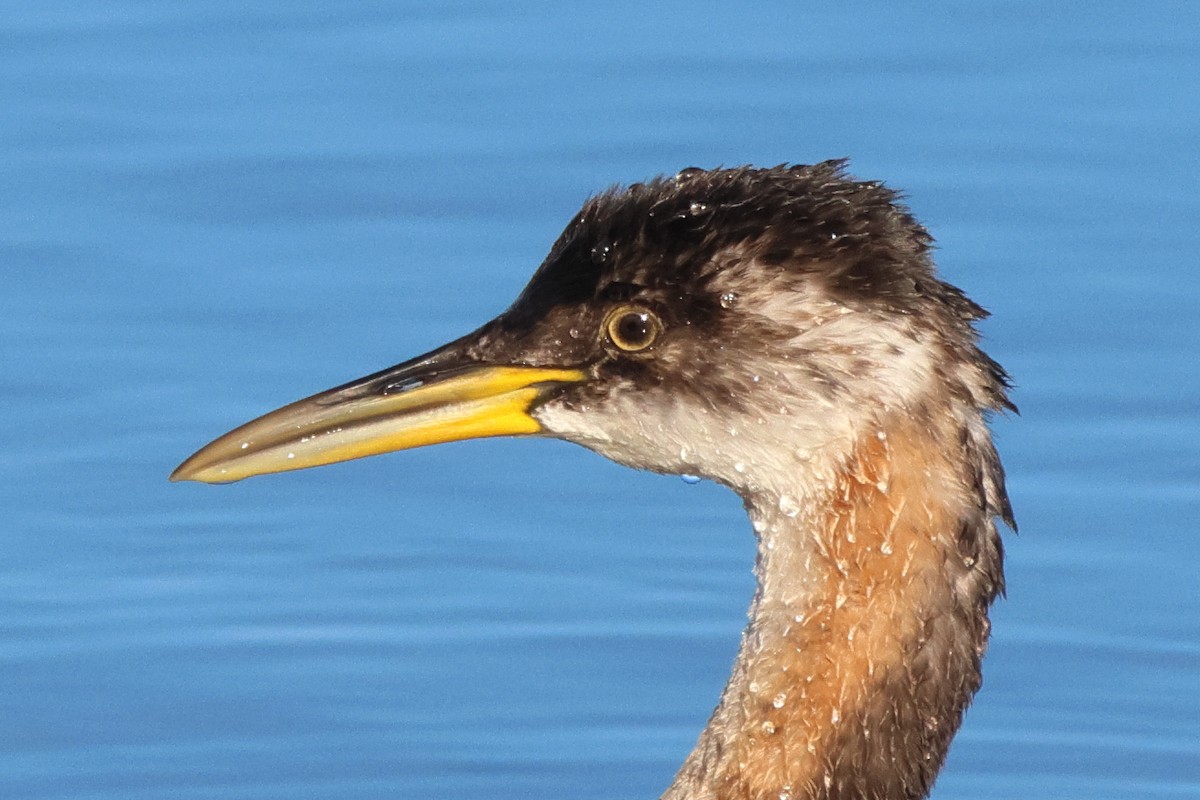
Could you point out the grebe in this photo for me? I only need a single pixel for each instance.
(780, 331)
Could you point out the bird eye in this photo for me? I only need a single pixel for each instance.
(631, 328)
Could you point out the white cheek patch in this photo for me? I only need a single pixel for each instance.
(807, 405)
(878, 357)
(880, 362)
(749, 450)
(625, 426)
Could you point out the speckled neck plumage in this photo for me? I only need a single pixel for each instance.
(867, 631)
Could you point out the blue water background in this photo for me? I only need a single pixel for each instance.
(208, 209)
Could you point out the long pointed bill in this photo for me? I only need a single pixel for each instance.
(425, 401)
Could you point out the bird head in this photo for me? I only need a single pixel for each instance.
(726, 323)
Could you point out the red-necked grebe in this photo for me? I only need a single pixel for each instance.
(781, 331)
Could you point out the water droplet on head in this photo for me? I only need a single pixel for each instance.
(574, 333)
(885, 547)
(768, 727)
(601, 251)
(690, 479)
(779, 700)
(738, 466)
(291, 455)
(697, 208)
(245, 445)
(687, 173)
(728, 300)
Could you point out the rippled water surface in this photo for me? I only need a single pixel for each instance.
(210, 208)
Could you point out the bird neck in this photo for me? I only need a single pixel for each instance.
(866, 632)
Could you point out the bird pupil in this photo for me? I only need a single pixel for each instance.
(634, 329)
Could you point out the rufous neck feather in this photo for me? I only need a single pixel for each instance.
(866, 634)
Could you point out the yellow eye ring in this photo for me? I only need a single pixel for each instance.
(632, 328)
